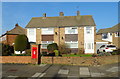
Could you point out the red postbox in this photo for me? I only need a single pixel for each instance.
(34, 52)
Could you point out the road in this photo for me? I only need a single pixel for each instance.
(45, 71)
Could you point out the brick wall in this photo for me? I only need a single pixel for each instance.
(11, 39)
(88, 61)
(116, 40)
(15, 59)
(80, 37)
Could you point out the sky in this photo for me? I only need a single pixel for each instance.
(105, 14)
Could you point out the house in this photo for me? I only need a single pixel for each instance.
(109, 36)
(9, 36)
(77, 31)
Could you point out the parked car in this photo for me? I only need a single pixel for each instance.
(106, 48)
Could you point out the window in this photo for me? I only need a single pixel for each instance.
(117, 34)
(31, 31)
(3, 38)
(72, 44)
(89, 45)
(71, 30)
(104, 36)
(88, 30)
(45, 43)
(47, 30)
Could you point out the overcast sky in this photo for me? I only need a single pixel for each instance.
(105, 14)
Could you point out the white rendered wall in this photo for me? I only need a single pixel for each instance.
(89, 40)
(31, 37)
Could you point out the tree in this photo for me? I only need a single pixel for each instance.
(21, 43)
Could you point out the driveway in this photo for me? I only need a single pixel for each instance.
(18, 71)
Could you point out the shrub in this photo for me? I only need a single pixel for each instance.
(64, 49)
(44, 53)
(94, 55)
(21, 43)
(116, 52)
(80, 51)
(56, 52)
(7, 50)
(104, 54)
(52, 47)
(28, 52)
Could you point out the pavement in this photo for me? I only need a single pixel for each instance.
(50, 71)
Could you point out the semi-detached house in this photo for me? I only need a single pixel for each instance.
(109, 36)
(77, 31)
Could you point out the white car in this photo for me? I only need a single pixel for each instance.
(106, 48)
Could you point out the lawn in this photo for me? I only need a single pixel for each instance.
(81, 55)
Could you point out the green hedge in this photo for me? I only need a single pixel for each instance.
(6, 49)
(21, 43)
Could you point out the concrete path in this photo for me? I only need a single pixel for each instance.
(43, 71)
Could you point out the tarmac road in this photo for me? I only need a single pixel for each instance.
(50, 71)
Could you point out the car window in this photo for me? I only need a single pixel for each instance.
(111, 46)
(102, 46)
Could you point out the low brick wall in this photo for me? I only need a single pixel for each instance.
(15, 59)
(86, 61)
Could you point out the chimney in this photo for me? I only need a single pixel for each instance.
(61, 14)
(44, 14)
(16, 24)
(78, 13)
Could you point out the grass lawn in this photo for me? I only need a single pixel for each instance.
(72, 55)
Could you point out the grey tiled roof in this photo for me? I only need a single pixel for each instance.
(115, 28)
(61, 21)
(17, 30)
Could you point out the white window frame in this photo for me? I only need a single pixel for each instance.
(72, 42)
(47, 31)
(45, 42)
(89, 44)
(89, 29)
(116, 34)
(31, 37)
(103, 35)
(3, 38)
(70, 28)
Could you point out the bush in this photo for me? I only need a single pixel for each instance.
(44, 53)
(7, 50)
(21, 43)
(56, 52)
(64, 49)
(52, 47)
(104, 54)
(28, 52)
(80, 51)
(116, 52)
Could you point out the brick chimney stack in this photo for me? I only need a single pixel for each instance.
(78, 13)
(44, 14)
(61, 14)
(16, 24)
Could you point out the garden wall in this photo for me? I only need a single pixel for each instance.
(86, 61)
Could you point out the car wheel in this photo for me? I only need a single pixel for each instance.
(103, 50)
(98, 51)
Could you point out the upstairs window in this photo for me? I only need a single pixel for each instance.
(71, 30)
(104, 36)
(47, 30)
(31, 32)
(117, 34)
(88, 30)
